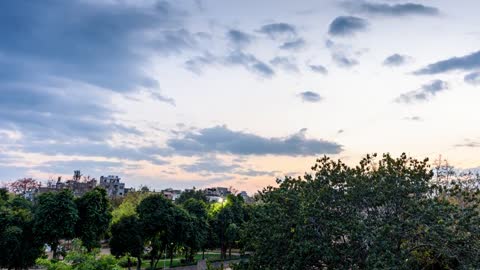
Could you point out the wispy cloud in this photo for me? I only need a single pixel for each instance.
(394, 10)
(347, 26)
(250, 62)
(285, 63)
(222, 140)
(467, 62)
(472, 78)
(309, 96)
(396, 60)
(279, 30)
(426, 92)
(318, 69)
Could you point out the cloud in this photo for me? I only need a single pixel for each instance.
(250, 62)
(220, 139)
(309, 96)
(293, 45)
(198, 63)
(469, 144)
(319, 69)
(209, 164)
(347, 26)
(279, 30)
(464, 63)
(238, 38)
(396, 60)
(343, 60)
(285, 63)
(426, 92)
(393, 10)
(96, 43)
(472, 78)
(413, 118)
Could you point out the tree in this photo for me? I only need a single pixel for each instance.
(156, 215)
(231, 237)
(55, 218)
(94, 213)
(19, 248)
(384, 214)
(127, 239)
(198, 237)
(192, 194)
(129, 205)
(24, 186)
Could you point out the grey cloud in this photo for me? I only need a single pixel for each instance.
(469, 144)
(198, 63)
(210, 165)
(250, 62)
(413, 118)
(162, 98)
(347, 26)
(238, 38)
(220, 139)
(279, 30)
(343, 60)
(467, 62)
(285, 63)
(309, 96)
(396, 60)
(426, 92)
(472, 78)
(319, 69)
(393, 10)
(294, 44)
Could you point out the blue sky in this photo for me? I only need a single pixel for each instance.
(210, 92)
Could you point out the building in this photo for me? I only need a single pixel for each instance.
(171, 194)
(217, 194)
(77, 185)
(112, 185)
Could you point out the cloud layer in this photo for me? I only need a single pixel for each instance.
(222, 140)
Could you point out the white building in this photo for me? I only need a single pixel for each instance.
(112, 185)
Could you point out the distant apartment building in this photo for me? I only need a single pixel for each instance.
(216, 194)
(171, 194)
(76, 185)
(113, 186)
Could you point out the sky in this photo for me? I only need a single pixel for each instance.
(233, 93)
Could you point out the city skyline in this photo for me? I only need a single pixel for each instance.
(226, 93)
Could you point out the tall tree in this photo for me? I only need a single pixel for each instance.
(127, 239)
(384, 214)
(24, 186)
(55, 218)
(19, 248)
(198, 236)
(95, 214)
(156, 215)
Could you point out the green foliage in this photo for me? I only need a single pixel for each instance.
(129, 205)
(192, 194)
(198, 234)
(127, 238)
(80, 259)
(18, 246)
(94, 217)
(55, 218)
(377, 215)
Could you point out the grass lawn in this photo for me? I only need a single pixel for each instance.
(176, 260)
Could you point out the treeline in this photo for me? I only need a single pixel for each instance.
(390, 213)
(143, 225)
(26, 227)
(150, 222)
(384, 213)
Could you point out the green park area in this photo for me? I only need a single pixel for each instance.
(383, 213)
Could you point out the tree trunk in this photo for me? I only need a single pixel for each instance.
(230, 252)
(139, 263)
(54, 247)
(203, 254)
(171, 257)
(129, 263)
